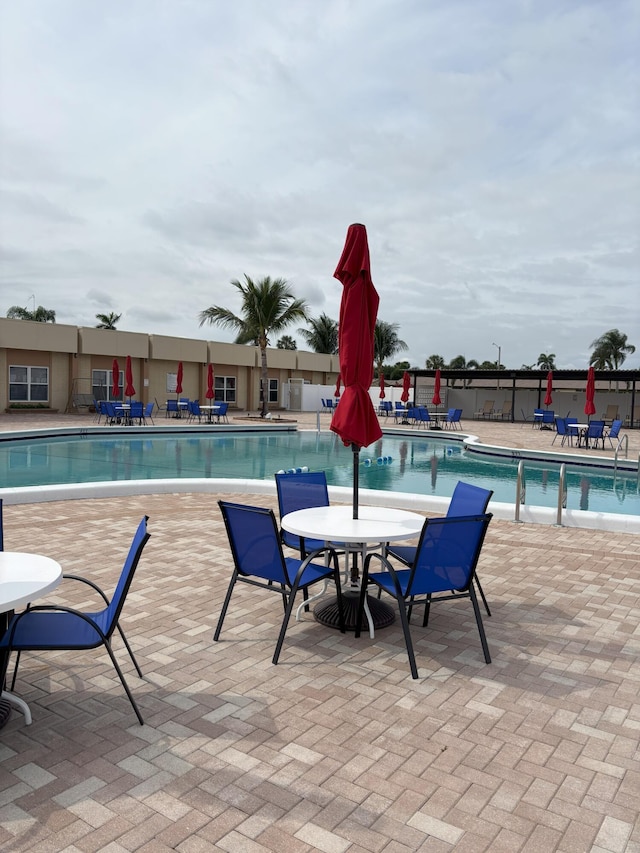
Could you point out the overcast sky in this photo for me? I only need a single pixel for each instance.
(153, 150)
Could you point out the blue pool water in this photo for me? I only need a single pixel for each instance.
(418, 465)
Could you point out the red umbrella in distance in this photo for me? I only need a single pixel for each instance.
(179, 379)
(210, 393)
(336, 392)
(115, 379)
(589, 406)
(548, 399)
(382, 394)
(355, 420)
(436, 390)
(129, 390)
(406, 385)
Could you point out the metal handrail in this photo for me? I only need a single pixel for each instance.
(623, 439)
(521, 490)
(562, 494)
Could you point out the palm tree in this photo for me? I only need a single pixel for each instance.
(107, 321)
(286, 342)
(610, 350)
(268, 307)
(434, 362)
(39, 314)
(546, 361)
(459, 362)
(386, 343)
(322, 336)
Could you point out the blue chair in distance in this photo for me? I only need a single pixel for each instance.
(258, 560)
(442, 570)
(613, 431)
(593, 434)
(51, 627)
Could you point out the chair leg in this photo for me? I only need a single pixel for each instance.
(285, 622)
(481, 591)
(483, 636)
(131, 655)
(427, 611)
(223, 612)
(124, 683)
(407, 637)
(15, 670)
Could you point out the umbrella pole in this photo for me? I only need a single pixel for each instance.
(356, 477)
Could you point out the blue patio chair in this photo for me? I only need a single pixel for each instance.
(422, 417)
(136, 412)
(452, 420)
(193, 408)
(563, 432)
(221, 414)
(147, 415)
(613, 431)
(443, 570)
(385, 408)
(593, 434)
(258, 560)
(51, 627)
(172, 409)
(330, 407)
(466, 499)
(296, 491)
(548, 419)
(113, 415)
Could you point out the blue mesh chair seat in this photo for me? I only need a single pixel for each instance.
(296, 491)
(593, 434)
(259, 561)
(442, 570)
(172, 409)
(613, 431)
(566, 431)
(147, 415)
(136, 412)
(467, 499)
(221, 414)
(50, 627)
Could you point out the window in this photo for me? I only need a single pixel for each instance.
(28, 384)
(224, 388)
(273, 391)
(101, 385)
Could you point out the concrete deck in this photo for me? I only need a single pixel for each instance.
(336, 749)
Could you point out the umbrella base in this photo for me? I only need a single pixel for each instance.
(326, 613)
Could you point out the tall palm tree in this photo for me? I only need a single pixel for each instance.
(268, 307)
(286, 342)
(107, 321)
(610, 350)
(386, 343)
(39, 314)
(546, 361)
(322, 336)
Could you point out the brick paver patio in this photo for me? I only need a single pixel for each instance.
(336, 749)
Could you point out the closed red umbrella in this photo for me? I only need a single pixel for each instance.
(406, 385)
(336, 392)
(129, 390)
(210, 393)
(436, 390)
(179, 379)
(382, 394)
(355, 420)
(589, 406)
(548, 399)
(115, 380)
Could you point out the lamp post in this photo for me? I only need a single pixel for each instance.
(499, 355)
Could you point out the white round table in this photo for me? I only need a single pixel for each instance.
(23, 578)
(374, 527)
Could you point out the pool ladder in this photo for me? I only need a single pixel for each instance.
(521, 492)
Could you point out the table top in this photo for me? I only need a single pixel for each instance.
(24, 577)
(207, 406)
(336, 524)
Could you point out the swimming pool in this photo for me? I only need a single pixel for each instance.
(410, 464)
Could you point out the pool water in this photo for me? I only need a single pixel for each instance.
(401, 464)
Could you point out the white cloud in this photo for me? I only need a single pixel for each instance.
(149, 153)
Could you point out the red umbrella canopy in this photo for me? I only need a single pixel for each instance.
(210, 394)
(355, 420)
(179, 379)
(382, 394)
(548, 399)
(129, 390)
(115, 379)
(406, 385)
(436, 390)
(589, 406)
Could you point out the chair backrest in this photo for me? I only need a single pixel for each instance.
(148, 410)
(140, 539)
(172, 405)
(596, 429)
(447, 554)
(422, 414)
(136, 409)
(548, 416)
(387, 405)
(561, 426)
(329, 404)
(223, 408)
(195, 408)
(458, 415)
(110, 409)
(488, 406)
(184, 399)
(612, 412)
(451, 414)
(468, 499)
(615, 429)
(254, 541)
(399, 405)
(300, 491)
